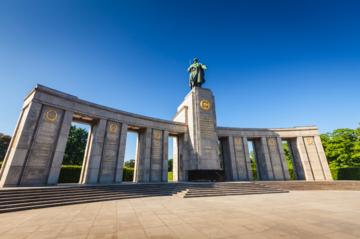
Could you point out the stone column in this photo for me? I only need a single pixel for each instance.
(314, 158)
(20, 144)
(228, 158)
(232, 159)
(92, 162)
(275, 157)
(39, 158)
(297, 163)
(110, 152)
(142, 162)
(176, 158)
(165, 156)
(240, 159)
(263, 159)
(121, 154)
(156, 160)
(322, 157)
(304, 159)
(184, 149)
(55, 167)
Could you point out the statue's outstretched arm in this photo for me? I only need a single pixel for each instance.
(203, 67)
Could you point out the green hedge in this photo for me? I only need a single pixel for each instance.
(345, 173)
(71, 174)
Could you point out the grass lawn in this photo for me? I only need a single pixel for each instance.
(170, 176)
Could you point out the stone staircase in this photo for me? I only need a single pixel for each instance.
(31, 198)
(15, 199)
(314, 185)
(228, 189)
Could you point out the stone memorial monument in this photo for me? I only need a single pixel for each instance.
(203, 151)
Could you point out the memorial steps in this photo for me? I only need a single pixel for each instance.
(228, 189)
(32, 198)
(314, 185)
(22, 199)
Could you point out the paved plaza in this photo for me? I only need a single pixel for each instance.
(298, 214)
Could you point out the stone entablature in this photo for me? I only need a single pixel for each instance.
(36, 151)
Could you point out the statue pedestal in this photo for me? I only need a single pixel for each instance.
(198, 111)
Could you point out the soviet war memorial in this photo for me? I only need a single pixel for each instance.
(108, 130)
(203, 151)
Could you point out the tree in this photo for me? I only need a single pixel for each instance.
(342, 147)
(4, 144)
(253, 165)
(130, 163)
(289, 160)
(170, 165)
(75, 147)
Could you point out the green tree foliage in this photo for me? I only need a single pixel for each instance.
(4, 144)
(342, 147)
(75, 147)
(130, 163)
(170, 165)
(253, 165)
(289, 160)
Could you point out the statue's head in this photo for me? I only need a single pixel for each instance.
(196, 60)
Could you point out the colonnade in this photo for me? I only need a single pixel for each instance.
(36, 151)
(308, 157)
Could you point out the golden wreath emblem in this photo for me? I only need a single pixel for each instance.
(157, 134)
(205, 105)
(272, 141)
(51, 115)
(112, 127)
(309, 141)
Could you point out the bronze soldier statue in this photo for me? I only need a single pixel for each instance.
(197, 73)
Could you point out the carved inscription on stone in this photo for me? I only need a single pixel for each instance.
(207, 126)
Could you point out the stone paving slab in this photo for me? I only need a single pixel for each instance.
(298, 214)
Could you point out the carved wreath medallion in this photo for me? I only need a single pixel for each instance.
(205, 105)
(112, 127)
(51, 115)
(272, 141)
(309, 141)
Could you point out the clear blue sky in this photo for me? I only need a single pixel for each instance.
(270, 63)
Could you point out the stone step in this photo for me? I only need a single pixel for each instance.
(309, 185)
(229, 194)
(69, 199)
(230, 189)
(26, 198)
(91, 191)
(46, 204)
